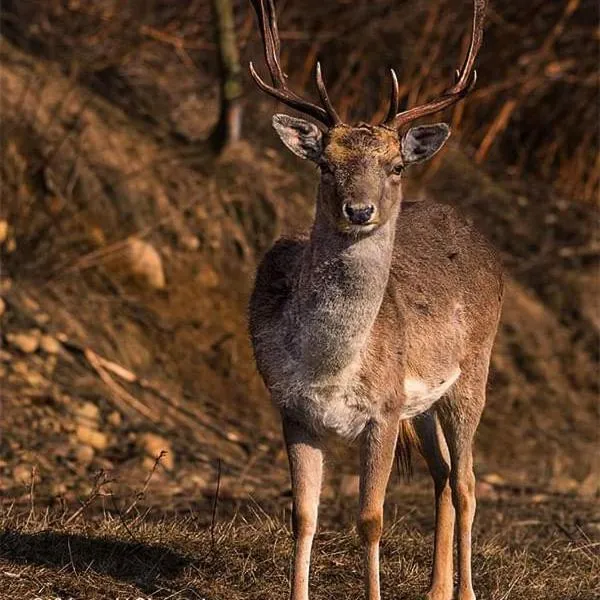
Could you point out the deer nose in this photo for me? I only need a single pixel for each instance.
(360, 215)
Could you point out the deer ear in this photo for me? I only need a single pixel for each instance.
(303, 138)
(421, 143)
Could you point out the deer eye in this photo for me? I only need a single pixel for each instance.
(397, 169)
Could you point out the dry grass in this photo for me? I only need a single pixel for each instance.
(523, 550)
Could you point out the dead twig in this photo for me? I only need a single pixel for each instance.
(100, 481)
(139, 495)
(213, 519)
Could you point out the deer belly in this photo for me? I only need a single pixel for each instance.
(421, 394)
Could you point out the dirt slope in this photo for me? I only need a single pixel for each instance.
(136, 252)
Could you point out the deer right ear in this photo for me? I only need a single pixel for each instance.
(303, 138)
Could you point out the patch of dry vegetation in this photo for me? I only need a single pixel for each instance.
(523, 551)
(128, 251)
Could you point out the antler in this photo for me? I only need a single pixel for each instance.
(267, 19)
(464, 81)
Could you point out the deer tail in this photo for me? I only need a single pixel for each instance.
(407, 440)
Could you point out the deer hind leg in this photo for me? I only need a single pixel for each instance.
(377, 450)
(459, 416)
(306, 469)
(435, 451)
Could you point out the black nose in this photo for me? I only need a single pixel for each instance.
(359, 216)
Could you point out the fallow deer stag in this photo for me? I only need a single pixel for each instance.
(379, 326)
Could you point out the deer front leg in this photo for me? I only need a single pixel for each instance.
(306, 470)
(378, 445)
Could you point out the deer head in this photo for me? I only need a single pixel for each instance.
(361, 165)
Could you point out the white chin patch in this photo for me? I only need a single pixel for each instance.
(361, 229)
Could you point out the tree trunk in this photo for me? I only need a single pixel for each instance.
(228, 128)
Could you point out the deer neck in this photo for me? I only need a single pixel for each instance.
(340, 290)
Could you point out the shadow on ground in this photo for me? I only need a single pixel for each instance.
(139, 563)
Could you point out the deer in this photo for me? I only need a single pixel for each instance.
(377, 327)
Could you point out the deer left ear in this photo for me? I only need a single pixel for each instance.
(421, 143)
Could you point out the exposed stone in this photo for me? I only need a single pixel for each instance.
(483, 489)
(84, 454)
(50, 345)
(494, 479)
(3, 231)
(22, 474)
(153, 445)
(208, 277)
(2, 307)
(25, 341)
(88, 414)
(189, 241)
(42, 318)
(91, 437)
(114, 418)
(564, 484)
(145, 263)
(35, 379)
(58, 488)
(20, 367)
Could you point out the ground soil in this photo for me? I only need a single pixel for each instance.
(115, 350)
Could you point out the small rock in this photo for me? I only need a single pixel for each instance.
(35, 380)
(58, 489)
(3, 231)
(26, 342)
(349, 485)
(189, 242)
(483, 489)
(97, 236)
(42, 318)
(84, 454)
(10, 245)
(50, 345)
(207, 277)
(5, 356)
(91, 437)
(494, 479)
(22, 474)
(50, 364)
(564, 484)
(88, 414)
(30, 304)
(145, 262)
(197, 480)
(2, 307)
(153, 445)
(20, 367)
(114, 418)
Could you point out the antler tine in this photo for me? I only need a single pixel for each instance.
(268, 26)
(394, 98)
(464, 80)
(325, 97)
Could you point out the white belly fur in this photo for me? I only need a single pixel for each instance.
(421, 395)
